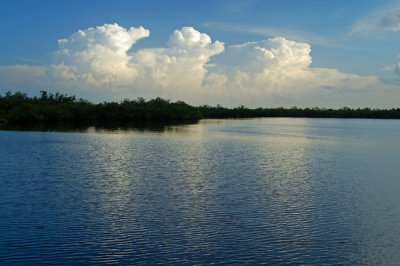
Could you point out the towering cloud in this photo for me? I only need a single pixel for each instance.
(278, 67)
(180, 68)
(267, 66)
(98, 62)
(98, 57)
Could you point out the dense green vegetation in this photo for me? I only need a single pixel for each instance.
(345, 112)
(18, 108)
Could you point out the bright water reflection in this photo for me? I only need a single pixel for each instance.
(273, 191)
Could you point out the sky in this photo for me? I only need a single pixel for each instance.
(257, 53)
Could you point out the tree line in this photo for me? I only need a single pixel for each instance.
(315, 112)
(18, 108)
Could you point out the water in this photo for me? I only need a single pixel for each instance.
(258, 191)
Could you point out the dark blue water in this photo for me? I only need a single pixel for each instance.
(261, 191)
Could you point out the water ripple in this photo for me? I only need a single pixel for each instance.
(202, 197)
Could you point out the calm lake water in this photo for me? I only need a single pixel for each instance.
(258, 191)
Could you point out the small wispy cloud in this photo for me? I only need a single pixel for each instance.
(378, 21)
(269, 32)
(395, 68)
(27, 60)
(390, 20)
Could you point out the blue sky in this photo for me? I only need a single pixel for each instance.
(344, 52)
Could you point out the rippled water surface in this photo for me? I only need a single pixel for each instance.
(272, 191)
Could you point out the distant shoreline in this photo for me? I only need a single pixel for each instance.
(18, 109)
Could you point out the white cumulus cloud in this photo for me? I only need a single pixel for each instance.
(96, 63)
(180, 68)
(98, 57)
(278, 67)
